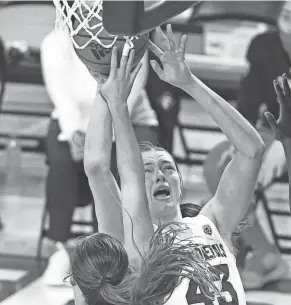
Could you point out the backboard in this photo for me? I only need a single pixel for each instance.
(131, 18)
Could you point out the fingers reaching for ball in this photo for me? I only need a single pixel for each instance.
(129, 61)
(126, 49)
(119, 84)
(126, 64)
(173, 69)
(113, 66)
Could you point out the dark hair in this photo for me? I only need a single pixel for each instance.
(100, 268)
(166, 263)
(190, 209)
(148, 146)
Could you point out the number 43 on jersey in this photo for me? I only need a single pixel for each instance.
(229, 295)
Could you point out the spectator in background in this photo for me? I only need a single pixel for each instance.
(72, 91)
(269, 55)
(165, 100)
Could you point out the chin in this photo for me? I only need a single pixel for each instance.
(163, 202)
(163, 209)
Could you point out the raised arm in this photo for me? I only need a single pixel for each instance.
(235, 190)
(282, 127)
(129, 159)
(97, 167)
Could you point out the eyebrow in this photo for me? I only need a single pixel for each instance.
(166, 162)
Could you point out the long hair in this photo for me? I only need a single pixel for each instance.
(190, 209)
(166, 263)
(193, 210)
(100, 267)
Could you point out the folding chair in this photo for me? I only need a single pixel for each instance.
(279, 238)
(191, 154)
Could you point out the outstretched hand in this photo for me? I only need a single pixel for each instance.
(175, 69)
(282, 127)
(119, 83)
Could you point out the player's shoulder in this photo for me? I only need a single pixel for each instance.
(199, 220)
(203, 227)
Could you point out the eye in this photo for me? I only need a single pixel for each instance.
(169, 167)
(148, 170)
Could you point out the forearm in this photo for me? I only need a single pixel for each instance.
(129, 161)
(237, 129)
(107, 201)
(97, 156)
(133, 194)
(287, 150)
(98, 144)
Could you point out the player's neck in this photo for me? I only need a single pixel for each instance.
(171, 216)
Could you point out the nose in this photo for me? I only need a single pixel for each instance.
(160, 177)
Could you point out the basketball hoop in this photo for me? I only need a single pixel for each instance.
(83, 17)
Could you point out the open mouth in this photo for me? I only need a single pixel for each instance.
(162, 192)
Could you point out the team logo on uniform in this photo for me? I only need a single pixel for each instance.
(207, 229)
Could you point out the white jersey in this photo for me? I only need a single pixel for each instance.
(213, 248)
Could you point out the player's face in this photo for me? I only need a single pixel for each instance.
(162, 182)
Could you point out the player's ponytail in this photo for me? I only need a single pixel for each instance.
(119, 294)
(166, 263)
(100, 268)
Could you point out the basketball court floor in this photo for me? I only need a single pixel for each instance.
(22, 202)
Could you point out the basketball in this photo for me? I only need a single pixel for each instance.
(96, 57)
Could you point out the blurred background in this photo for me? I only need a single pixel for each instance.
(219, 32)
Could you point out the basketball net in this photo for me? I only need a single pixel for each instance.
(91, 21)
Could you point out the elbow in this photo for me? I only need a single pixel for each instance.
(95, 167)
(258, 149)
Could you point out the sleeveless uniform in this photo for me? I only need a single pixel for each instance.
(213, 248)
